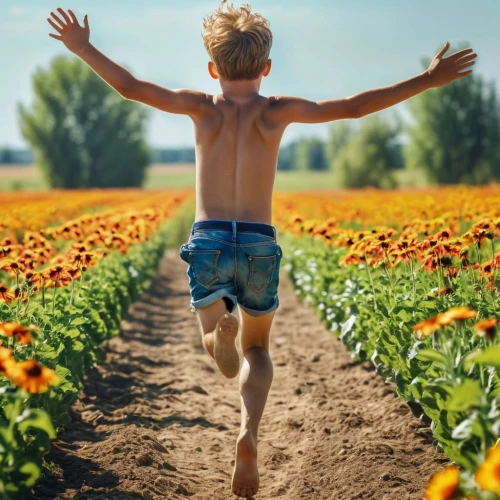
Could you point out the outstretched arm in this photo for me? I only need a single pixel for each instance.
(76, 38)
(441, 72)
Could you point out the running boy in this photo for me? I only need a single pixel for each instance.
(232, 252)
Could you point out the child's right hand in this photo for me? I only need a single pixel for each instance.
(74, 36)
(446, 70)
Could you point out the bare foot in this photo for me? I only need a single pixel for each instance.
(246, 474)
(225, 353)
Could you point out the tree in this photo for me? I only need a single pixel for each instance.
(340, 133)
(84, 134)
(456, 136)
(310, 154)
(287, 157)
(6, 155)
(370, 156)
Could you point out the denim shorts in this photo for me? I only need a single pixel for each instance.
(237, 261)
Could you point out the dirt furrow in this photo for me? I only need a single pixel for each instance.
(157, 421)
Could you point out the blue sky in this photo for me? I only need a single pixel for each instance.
(323, 49)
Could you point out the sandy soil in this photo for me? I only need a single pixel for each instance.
(157, 421)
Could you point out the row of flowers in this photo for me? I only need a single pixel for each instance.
(63, 291)
(405, 297)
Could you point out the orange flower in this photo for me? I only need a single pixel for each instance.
(58, 273)
(486, 328)
(488, 474)
(443, 485)
(426, 327)
(455, 313)
(6, 360)
(10, 265)
(32, 377)
(6, 294)
(22, 333)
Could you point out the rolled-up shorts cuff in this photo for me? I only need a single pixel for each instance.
(253, 312)
(214, 297)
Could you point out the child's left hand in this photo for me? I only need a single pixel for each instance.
(444, 70)
(74, 36)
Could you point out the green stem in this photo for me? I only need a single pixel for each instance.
(72, 291)
(478, 255)
(53, 299)
(371, 282)
(464, 283)
(81, 284)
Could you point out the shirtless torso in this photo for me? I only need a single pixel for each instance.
(236, 154)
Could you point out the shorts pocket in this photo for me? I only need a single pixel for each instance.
(261, 271)
(204, 266)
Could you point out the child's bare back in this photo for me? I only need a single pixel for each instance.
(232, 252)
(237, 148)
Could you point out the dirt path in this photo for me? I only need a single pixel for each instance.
(156, 421)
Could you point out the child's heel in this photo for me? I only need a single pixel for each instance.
(225, 352)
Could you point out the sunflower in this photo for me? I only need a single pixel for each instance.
(443, 484)
(486, 328)
(488, 474)
(32, 377)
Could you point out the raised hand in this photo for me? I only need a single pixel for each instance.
(444, 70)
(74, 36)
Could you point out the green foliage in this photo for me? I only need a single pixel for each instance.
(84, 134)
(310, 155)
(369, 157)
(456, 137)
(340, 134)
(287, 157)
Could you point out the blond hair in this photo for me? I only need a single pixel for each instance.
(238, 42)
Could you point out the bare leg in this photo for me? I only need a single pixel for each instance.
(219, 329)
(256, 377)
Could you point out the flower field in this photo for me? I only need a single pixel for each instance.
(70, 265)
(410, 280)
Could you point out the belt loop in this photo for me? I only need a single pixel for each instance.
(192, 230)
(274, 231)
(234, 230)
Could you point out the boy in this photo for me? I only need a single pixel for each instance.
(232, 252)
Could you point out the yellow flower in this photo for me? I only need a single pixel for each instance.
(488, 474)
(454, 313)
(426, 327)
(6, 360)
(32, 377)
(443, 484)
(20, 332)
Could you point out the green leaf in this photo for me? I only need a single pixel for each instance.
(32, 470)
(72, 333)
(35, 419)
(78, 321)
(464, 430)
(465, 396)
(489, 357)
(432, 355)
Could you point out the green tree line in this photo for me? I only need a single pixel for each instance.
(453, 137)
(84, 134)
